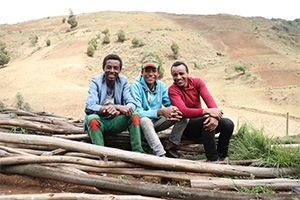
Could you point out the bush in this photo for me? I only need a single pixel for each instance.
(121, 36)
(240, 67)
(4, 55)
(48, 42)
(175, 49)
(135, 41)
(21, 104)
(72, 21)
(90, 50)
(94, 43)
(106, 31)
(63, 20)
(106, 39)
(33, 39)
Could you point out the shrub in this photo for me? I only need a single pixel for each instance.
(198, 65)
(175, 49)
(94, 43)
(33, 39)
(135, 41)
(48, 42)
(106, 39)
(240, 67)
(106, 31)
(63, 20)
(72, 21)
(21, 104)
(4, 55)
(90, 50)
(121, 36)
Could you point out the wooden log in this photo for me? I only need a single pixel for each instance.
(177, 175)
(16, 151)
(144, 159)
(17, 160)
(74, 196)
(46, 120)
(131, 187)
(40, 126)
(277, 184)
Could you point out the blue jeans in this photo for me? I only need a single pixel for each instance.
(150, 127)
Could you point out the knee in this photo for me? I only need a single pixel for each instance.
(93, 116)
(145, 120)
(228, 125)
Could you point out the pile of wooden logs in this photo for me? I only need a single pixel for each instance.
(54, 147)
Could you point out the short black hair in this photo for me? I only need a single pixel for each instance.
(112, 57)
(177, 63)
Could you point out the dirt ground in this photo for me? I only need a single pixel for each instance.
(56, 78)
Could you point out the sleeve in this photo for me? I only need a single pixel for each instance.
(127, 97)
(205, 95)
(165, 96)
(177, 100)
(138, 93)
(92, 101)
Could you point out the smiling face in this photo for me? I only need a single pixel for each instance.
(112, 69)
(150, 74)
(180, 75)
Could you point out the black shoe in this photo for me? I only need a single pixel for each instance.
(173, 153)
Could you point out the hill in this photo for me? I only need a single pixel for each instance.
(55, 78)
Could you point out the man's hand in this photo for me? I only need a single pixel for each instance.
(125, 110)
(171, 113)
(111, 110)
(210, 124)
(214, 112)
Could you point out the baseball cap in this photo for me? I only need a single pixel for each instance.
(150, 62)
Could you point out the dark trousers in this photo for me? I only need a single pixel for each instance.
(195, 130)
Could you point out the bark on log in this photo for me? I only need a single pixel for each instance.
(144, 159)
(74, 196)
(46, 120)
(278, 184)
(16, 160)
(131, 187)
(40, 126)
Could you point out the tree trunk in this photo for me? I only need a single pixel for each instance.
(132, 187)
(74, 196)
(144, 159)
(278, 184)
(40, 126)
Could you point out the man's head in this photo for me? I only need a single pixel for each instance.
(180, 72)
(150, 70)
(112, 65)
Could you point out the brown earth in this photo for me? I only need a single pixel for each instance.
(56, 78)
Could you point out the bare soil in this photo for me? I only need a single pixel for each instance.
(56, 78)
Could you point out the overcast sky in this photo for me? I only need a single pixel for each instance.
(14, 11)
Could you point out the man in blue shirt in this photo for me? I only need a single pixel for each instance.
(151, 95)
(105, 111)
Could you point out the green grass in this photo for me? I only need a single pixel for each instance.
(251, 143)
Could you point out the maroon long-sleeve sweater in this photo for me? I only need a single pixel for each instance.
(188, 100)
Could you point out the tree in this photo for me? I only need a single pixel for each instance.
(240, 67)
(175, 49)
(106, 39)
(90, 50)
(94, 43)
(121, 36)
(72, 19)
(48, 42)
(4, 55)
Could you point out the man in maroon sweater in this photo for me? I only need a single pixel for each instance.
(185, 94)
